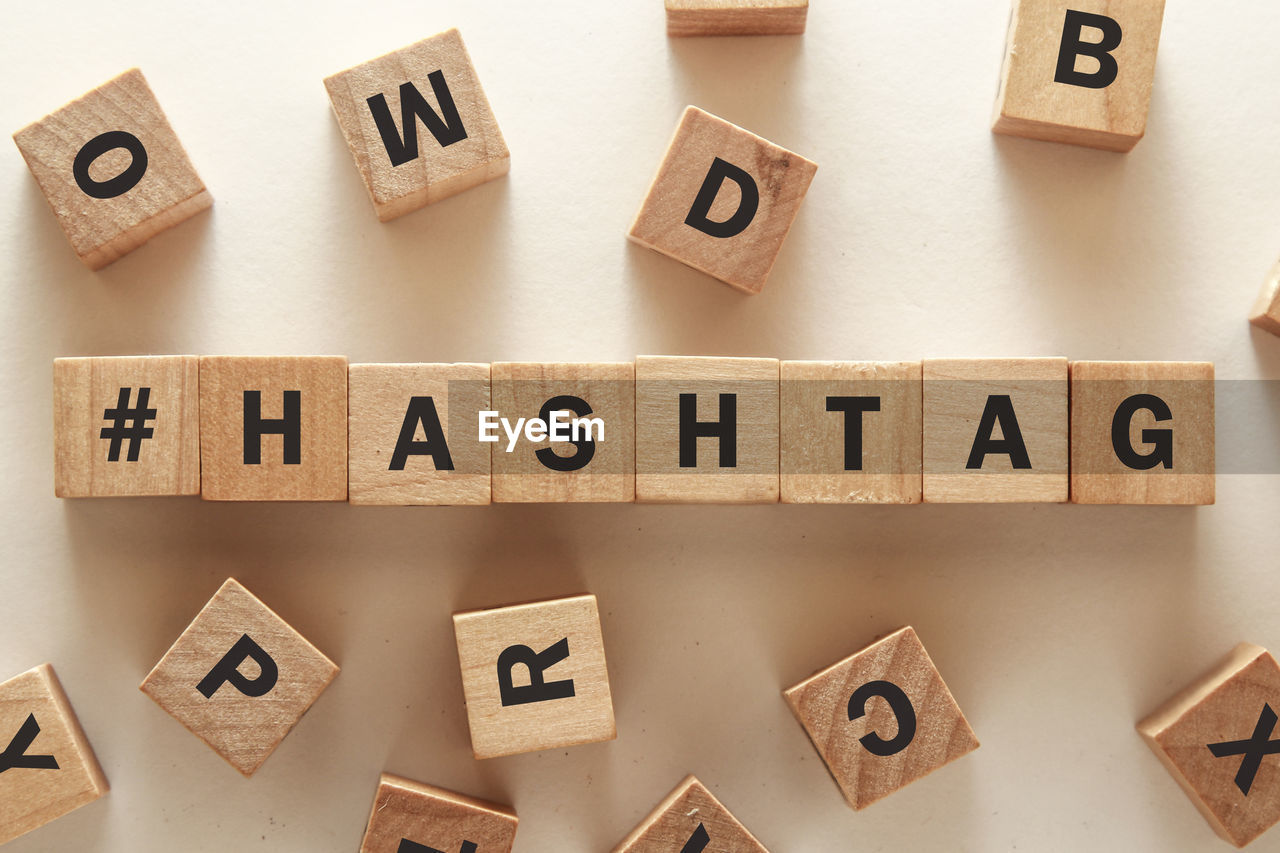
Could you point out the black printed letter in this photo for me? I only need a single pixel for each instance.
(725, 430)
(902, 709)
(95, 148)
(537, 690)
(1160, 439)
(999, 408)
(1072, 46)
(413, 107)
(586, 447)
(256, 426)
(853, 426)
(421, 410)
(719, 172)
(227, 671)
(15, 754)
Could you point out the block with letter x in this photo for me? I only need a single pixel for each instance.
(410, 817)
(690, 820)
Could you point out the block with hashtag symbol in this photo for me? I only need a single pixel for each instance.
(690, 820)
(1220, 740)
(126, 426)
(410, 817)
(47, 768)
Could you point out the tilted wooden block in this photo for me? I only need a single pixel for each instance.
(690, 820)
(418, 125)
(1218, 739)
(410, 817)
(1266, 312)
(593, 468)
(126, 426)
(1080, 71)
(1142, 432)
(736, 17)
(239, 678)
(706, 430)
(850, 432)
(112, 169)
(47, 768)
(995, 430)
(534, 676)
(273, 428)
(723, 200)
(413, 435)
(882, 718)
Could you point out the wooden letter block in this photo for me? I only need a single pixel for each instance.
(599, 466)
(239, 678)
(690, 819)
(273, 428)
(706, 430)
(112, 169)
(736, 17)
(534, 676)
(1079, 71)
(851, 432)
(418, 125)
(413, 436)
(1142, 432)
(47, 768)
(126, 426)
(1266, 313)
(1218, 738)
(410, 817)
(882, 718)
(723, 200)
(995, 430)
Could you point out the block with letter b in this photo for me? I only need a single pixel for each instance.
(410, 817)
(690, 820)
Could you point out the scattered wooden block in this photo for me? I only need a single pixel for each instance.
(1079, 72)
(690, 820)
(586, 470)
(1142, 432)
(995, 430)
(1217, 739)
(273, 428)
(534, 676)
(380, 105)
(736, 17)
(410, 817)
(112, 169)
(1266, 312)
(723, 200)
(47, 768)
(413, 438)
(706, 430)
(126, 426)
(882, 718)
(850, 432)
(239, 678)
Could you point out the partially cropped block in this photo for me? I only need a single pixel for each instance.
(126, 426)
(1142, 432)
(273, 428)
(850, 432)
(594, 461)
(1079, 71)
(995, 430)
(690, 820)
(410, 817)
(47, 768)
(1266, 312)
(534, 676)
(239, 678)
(1218, 739)
(736, 17)
(882, 718)
(418, 125)
(723, 200)
(112, 169)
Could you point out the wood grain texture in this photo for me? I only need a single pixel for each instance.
(584, 717)
(1031, 104)
(660, 381)
(380, 398)
(609, 389)
(745, 259)
(690, 810)
(821, 705)
(321, 474)
(439, 171)
(404, 810)
(241, 728)
(957, 392)
(1222, 706)
(166, 463)
(736, 17)
(1266, 311)
(1098, 476)
(104, 229)
(813, 458)
(31, 797)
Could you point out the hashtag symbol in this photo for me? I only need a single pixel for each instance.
(128, 424)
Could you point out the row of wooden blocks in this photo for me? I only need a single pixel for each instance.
(534, 677)
(659, 430)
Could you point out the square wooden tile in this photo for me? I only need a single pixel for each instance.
(736, 17)
(1266, 311)
(410, 817)
(690, 820)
